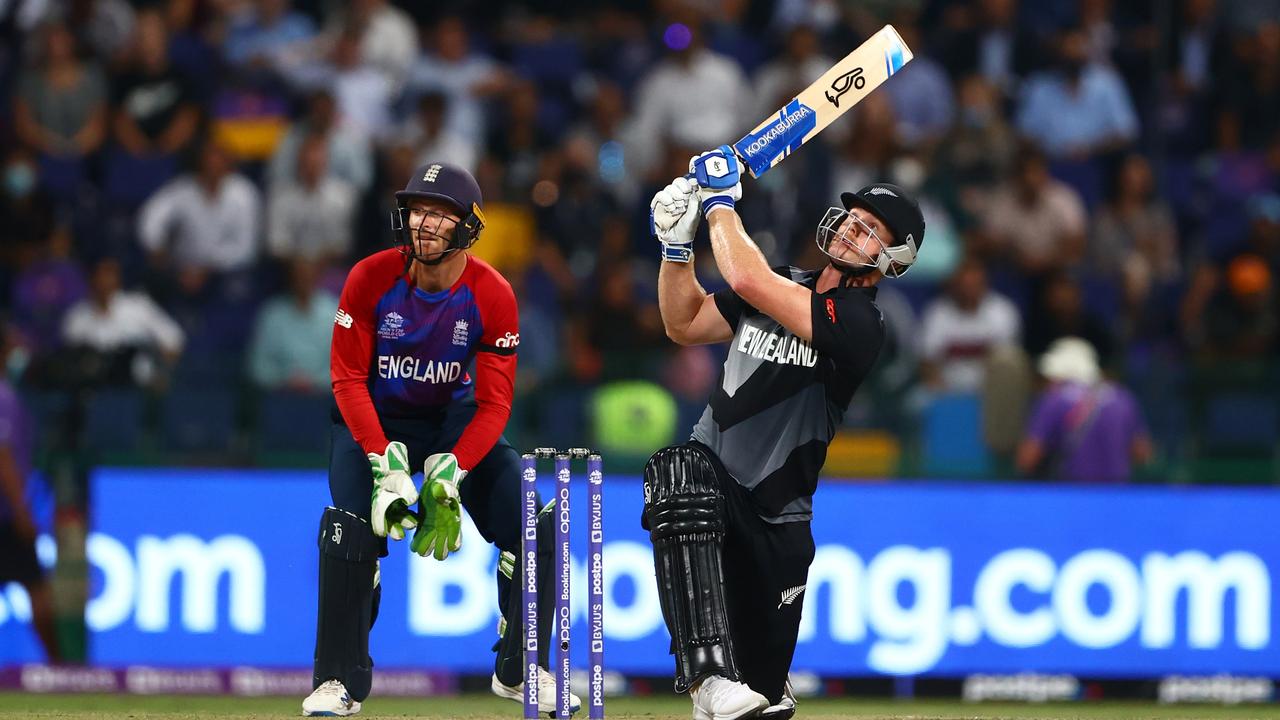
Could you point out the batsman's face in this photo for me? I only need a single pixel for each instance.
(859, 238)
(432, 225)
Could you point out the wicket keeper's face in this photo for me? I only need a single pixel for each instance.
(431, 224)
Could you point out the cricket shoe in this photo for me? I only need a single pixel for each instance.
(786, 707)
(719, 698)
(548, 703)
(331, 699)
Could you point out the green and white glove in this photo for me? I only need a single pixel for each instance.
(393, 493)
(440, 531)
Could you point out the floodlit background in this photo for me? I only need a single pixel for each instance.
(185, 184)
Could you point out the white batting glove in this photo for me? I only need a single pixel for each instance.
(673, 218)
(718, 175)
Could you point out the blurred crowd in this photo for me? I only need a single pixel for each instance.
(186, 183)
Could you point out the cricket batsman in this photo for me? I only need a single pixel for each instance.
(728, 511)
(411, 321)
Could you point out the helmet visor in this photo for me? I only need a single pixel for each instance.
(850, 242)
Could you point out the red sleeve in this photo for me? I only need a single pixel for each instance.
(495, 370)
(351, 352)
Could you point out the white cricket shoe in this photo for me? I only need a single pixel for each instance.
(331, 699)
(547, 701)
(786, 707)
(719, 698)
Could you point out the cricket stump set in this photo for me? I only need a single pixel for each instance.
(595, 586)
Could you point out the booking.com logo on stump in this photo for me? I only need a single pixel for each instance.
(908, 579)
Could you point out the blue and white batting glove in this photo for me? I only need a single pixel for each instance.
(673, 219)
(719, 178)
(393, 492)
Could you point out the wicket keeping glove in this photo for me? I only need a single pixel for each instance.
(393, 492)
(673, 219)
(719, 178)
(440, 531)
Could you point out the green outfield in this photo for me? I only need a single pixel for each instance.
(649, 708)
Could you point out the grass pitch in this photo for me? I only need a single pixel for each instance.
(476, 707)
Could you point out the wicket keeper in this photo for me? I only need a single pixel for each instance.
(411, 321)
(728, 512)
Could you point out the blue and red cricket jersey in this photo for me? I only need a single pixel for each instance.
(399, 351)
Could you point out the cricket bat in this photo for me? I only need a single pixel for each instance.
(829, 97)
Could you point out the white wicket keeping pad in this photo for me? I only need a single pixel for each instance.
(840, 88)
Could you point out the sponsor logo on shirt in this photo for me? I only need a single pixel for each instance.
(407, 367)
(343, 319)
(392, 326)
(831, 310)
(460, 333)
(508, 340)
(780, 349)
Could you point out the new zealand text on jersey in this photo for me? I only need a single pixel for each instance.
(781, 349)
(392, 367)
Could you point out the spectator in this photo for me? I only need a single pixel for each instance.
(800, 63)
(388, 40)
(466, 78)
(1060, 312)
(979, 152)
(155, 117)
(599, 137)
(694, 97)
(922, 97)
(1083, 428)
(349, 153)
(362, 94)
(102, 26)
(313, 217)
(270, 34)
(1228, 310)
(1244, 322)
(1134, 238)
(26, 210)
(60, 111)
(290, 345)
(113, 321)
(1036, 221)
(1080, 109)
(1249, 114)
(987, 40)
(959, 329)
(432, 140)
(18, 561)
(204, 221)
(44, 290)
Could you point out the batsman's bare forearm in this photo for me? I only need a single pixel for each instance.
(741, 263)
(680, 297)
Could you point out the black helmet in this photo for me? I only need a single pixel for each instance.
(896, 209)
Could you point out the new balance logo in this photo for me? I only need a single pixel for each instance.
(343, 318)
(790, 594)
(431, 173)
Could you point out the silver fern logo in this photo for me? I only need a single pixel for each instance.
(790, 594)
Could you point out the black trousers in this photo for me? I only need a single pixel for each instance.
(766, 566)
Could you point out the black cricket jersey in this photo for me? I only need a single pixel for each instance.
(781, 399)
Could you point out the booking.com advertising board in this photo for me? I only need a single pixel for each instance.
(218, 568)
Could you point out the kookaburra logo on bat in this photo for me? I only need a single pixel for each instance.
(842, 84)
